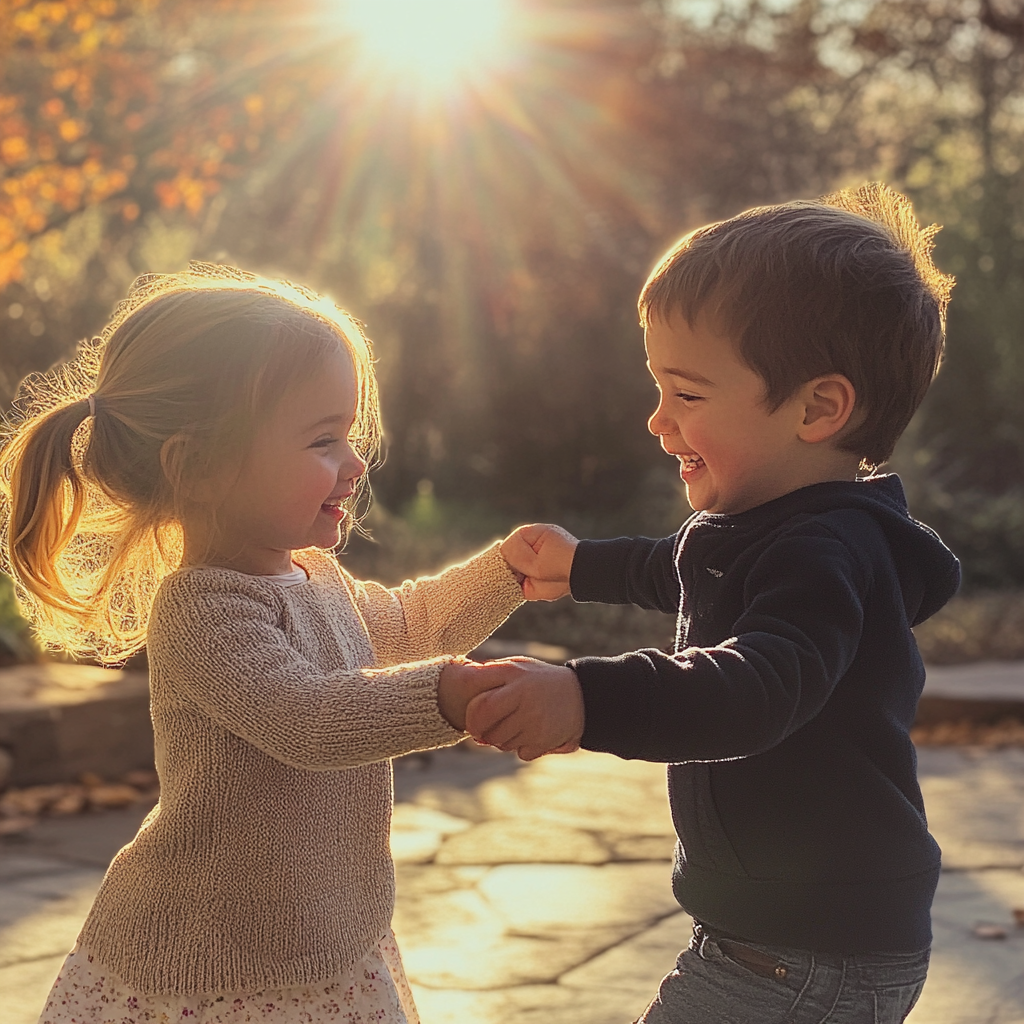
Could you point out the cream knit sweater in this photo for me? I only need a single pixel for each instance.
(275, 711)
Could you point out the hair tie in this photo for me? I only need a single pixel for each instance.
(92, 405)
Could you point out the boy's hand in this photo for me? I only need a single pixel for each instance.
(460, 682)
(538, 711)
(543, 555)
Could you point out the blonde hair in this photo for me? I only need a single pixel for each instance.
(91, 505)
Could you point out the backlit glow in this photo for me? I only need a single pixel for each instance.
(433, 43)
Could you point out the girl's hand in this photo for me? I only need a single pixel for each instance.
(539, 710)
(461, 680)
(542, 554)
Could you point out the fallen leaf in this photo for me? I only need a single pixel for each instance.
(70, 803)
(29, 802)
(15, 826)
(142, 779)
(114, 795)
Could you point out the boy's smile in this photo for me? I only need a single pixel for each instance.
(734, 452)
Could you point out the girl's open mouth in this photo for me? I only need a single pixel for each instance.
(335, 509)
(690, 463)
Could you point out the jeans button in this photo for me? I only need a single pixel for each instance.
(780, 972)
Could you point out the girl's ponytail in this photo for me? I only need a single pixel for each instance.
(92, 513)
(44, 496)
(85, 556)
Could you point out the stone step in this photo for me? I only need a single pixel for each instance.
(59, 720)
(983, 692)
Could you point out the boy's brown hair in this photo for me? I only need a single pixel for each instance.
(844, 284)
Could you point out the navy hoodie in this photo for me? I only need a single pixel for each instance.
(785, 712)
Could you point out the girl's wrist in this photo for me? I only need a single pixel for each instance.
(451, 698)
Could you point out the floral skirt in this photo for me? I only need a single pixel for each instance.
(375, 989)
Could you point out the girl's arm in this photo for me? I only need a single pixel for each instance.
(450, 613)
(221, 650)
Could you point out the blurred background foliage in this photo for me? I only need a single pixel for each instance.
(494, 238)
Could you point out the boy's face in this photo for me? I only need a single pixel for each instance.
(733, 452)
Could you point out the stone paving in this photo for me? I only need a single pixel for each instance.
(540, 892)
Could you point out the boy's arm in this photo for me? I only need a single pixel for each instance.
(795, 640)
(627, 570)
(450, 613)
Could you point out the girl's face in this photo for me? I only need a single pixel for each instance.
(300, 469)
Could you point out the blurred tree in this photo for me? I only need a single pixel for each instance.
(113, 110)
(751, 104)
(959, 68)
(494, 243)
(494, 250)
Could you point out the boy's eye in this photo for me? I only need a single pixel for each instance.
(687, 397)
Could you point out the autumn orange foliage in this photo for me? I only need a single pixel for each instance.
(136, 104)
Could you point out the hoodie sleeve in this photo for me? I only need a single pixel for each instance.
(627, 570)
(797, 636)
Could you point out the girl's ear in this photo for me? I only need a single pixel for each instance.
(172, 459)
(828, 403)
(201, 489)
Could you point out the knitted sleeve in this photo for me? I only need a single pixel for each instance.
(450, 613)
(220, 647)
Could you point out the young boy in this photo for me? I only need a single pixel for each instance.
(790, 346)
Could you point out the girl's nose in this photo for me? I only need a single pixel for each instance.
(354, 467)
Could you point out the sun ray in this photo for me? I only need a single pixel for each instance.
(432, 44)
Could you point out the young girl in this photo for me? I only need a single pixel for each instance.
(181, 484)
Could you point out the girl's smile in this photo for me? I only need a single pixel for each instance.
(291, 489)
(335, 507)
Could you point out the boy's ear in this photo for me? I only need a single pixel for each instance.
(828, 403)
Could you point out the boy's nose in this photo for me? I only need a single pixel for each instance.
(659, 424)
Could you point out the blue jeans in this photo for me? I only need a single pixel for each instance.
(721, 981)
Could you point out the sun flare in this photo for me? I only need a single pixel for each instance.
(433, 43)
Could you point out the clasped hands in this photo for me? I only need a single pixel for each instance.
(514, 704)
(518, 703)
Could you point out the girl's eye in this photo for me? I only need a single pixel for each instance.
(324, 442)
